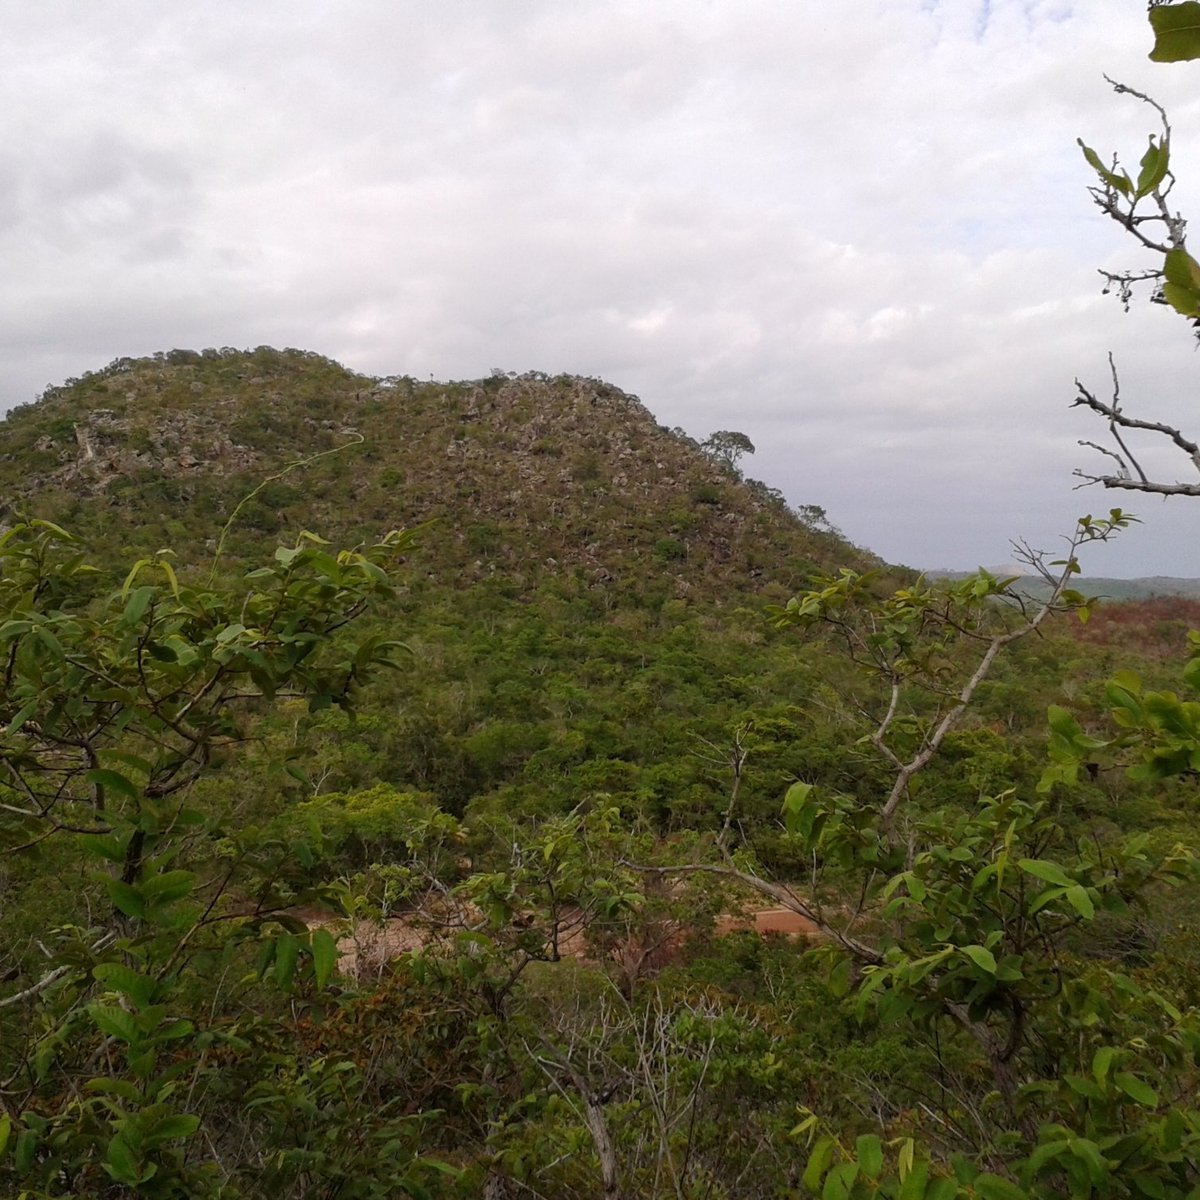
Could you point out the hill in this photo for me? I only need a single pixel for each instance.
(585, 598)
(527, 476)
(1143, 588)
(584, 604)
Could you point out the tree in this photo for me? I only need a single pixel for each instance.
(726, 447)
(114, 707)
(971, 928)
(1142, 206)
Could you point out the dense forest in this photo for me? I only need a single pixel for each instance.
(476, 789)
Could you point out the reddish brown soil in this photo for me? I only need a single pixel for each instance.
(368, 947)
(768, 921)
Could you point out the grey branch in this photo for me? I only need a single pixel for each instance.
(1127, 464)
(52, 977)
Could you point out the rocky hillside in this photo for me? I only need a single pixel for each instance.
(522, 476)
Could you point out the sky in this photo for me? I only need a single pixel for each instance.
(857, 232)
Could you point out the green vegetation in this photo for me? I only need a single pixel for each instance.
(280, 922)
(435, 867)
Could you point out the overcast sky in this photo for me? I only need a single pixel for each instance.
(857, 232)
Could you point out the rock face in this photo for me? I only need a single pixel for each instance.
(109, 447)
(523, 474)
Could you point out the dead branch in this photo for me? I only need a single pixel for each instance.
(52, 977)
(1127, 463)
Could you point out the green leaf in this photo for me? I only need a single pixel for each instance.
(287, 949)
(870, 1155)
(1176, 32)
(841, 977)
(266, 956)
(1080, 901)
(123, 1165)
(996, 1187)
(1182, 287)
(1181, 268)
(794, 803)
(1153, 168)
(1066, 773)
(1183, 301)
(11, 630)
(115, 1087)
(981, 957)
(1088, 1153)
(115, 1022)
(23, 714)
(167, 887)
(809, 1124)
(1010, 969)
(135, 607)
(1046, 1152)
(139, 988)
(913, 1187)
(1050, 872)
(1121, 183)
(942, 1189)
(24, 1150)
(5, 1132)
(134, 572)
(1173, 1130)
(104, 845)
(1136, 1089)
(1102, 1062)
(818, 1163)
(1191, 673)
(324, 955)
(178, 1125)
(51, 642)
(1062, 723)
(1083, 1087)
(1149, 1185)
(964, 1168)
(113, 781)
(127, 898)
(839, 1181)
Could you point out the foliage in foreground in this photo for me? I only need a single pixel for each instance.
(176, 1029)
(113, 707)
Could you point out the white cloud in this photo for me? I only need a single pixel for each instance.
(857, 232)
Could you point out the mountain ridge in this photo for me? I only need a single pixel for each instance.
(1141, 587)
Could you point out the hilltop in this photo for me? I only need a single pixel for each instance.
(524, 475)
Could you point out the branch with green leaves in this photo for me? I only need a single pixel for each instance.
(112, 706)
(1140, 202)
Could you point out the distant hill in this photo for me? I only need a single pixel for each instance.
(1144, 588)
(526, 476)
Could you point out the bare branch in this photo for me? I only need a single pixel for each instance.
(1122, 469)
(1133, 485)
(1118, 420)
(52, 977)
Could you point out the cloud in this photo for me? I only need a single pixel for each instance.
(858, 233)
